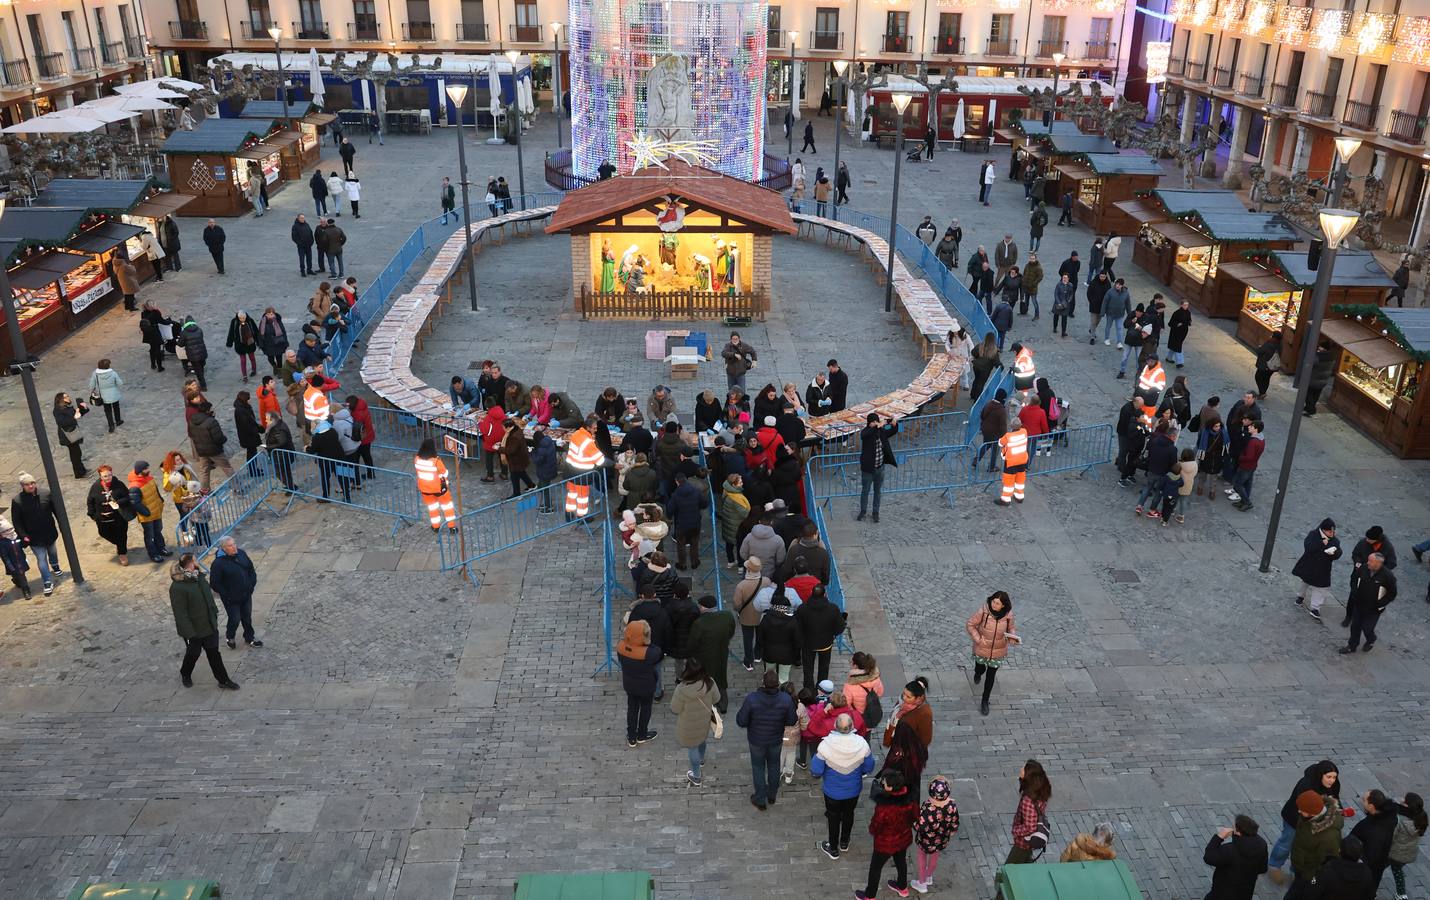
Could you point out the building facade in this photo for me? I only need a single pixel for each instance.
(55, 53)
(1281, 82)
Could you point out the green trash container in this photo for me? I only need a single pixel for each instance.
(153, 890)
(585, 886)
(1101, 880)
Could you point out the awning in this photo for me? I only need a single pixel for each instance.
(1255, 277)
(46, 268)
(1077, 171)
(1182, 235)
(319, 118)
(257, 151)
(281, 140)
(1142, 211)
(104, 237)
(1379, 353)
(161, 205)
(1346, 333)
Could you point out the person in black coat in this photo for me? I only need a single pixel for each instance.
(149, 321)
(639, 658)
(779, 634)
(682, 612)
(32, 514)
(169, 240)
(1343, 877)
(214, 239)
(1238, 857)
(278, 437)
(684, 510)
(318, 187)
(347, 151)
(1268, 361)
(302, 237)
(1322, 777)
(1320, 548)
(111, 508)
(1375, 831)
(875, 452)
(838, 389)
(1323, 369)
(648, 609)
(1373, 588)
(787, 479)
(245, 422)
(1177, 327)
(708, 411)
(233, 578)
(820, 625)
(790, 427)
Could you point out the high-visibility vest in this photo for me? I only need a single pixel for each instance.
(578, 499)
(1153, 378)
(430, 473)
(315, 404)
(1015, 447)
(1023, 365)
(582, 452)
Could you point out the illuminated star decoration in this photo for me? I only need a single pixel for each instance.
(649, 151)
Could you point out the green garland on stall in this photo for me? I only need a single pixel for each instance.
(1388, 325)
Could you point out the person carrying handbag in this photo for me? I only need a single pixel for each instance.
(104, 385)
(696, 721)
(67, 415)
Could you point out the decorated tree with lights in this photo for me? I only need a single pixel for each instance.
(1164, 139)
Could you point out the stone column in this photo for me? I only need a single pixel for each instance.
(1189, 116)
(1422, 222)
(1268, 144)
(580, 268)
(763, 279)
(1236, 159)
(1303, 150)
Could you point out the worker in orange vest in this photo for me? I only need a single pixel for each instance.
(315, 402)
(1023, 370)
(432, 487)
(582, 455)
(1152, 381)
(1014, 446)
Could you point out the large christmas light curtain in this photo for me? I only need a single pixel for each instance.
(678, 70)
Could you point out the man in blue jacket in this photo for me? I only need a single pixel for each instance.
(765, 715)
(233, 578)
(544, 460)
(841, 762)
(464, 394)
(684, 511)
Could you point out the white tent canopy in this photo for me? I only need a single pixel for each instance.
(133, 103)
(55, 123)
(159, 87)
(103, 113)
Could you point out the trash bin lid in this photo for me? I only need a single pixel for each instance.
(585, 886)
(1101, 880)
(156, 890)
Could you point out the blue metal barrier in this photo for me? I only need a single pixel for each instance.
(608, 587)
(216, 516)
(507, 523)
(387, 492)
(717, 543)
(928, 430)
(925, 469)
(403, 432)
(1071, 450)
(1000, 380)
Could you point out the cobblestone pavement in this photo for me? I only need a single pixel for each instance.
(408, 735)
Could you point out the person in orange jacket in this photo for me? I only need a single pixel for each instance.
(1014, 446)
(432, 486)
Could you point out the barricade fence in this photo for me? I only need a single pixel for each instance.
(215, 516)
(1000, 380)
(516, 520)
(1073, 449)
(401, 431)
(928, 430)
(717, 542)
(924, 469)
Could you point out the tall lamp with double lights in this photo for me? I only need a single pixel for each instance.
(26, 370)
(556, 104)
(793, 99)
(512, 56)
(901, 103)
(1336, 226)
(840, 67)
(457, 93)
(276, 33)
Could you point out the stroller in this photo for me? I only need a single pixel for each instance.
(916, 154)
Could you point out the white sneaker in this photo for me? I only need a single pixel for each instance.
(919, 886)
(1107, 343)
(1119, 345)
(788, 779)
(1235, 498)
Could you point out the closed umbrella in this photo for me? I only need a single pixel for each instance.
(55, 123)
(494, 89)
(528, 102)
(794, 90)
(958, 123)
(315, 76)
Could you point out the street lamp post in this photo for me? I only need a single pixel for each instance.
(26, 371)
(840, 66)
(457, 93)
(1346, 148)
(901, 103)
(556, 79)
(1052, 113)
(277, 34)
(512, 56)
(1336, 224)
(793, 99)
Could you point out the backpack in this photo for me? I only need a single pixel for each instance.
(873, 710)
(357, 434)
(1038, 840)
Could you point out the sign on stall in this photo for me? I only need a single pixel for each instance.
(79, 302)
(453, 446)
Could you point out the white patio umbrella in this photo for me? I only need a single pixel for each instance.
(105, 114)
(315, 76)
(958, 122)
(55, 123)
(133, 103)
(528, 102)
(494, 89)
(147, 89)
(794, 90)
(152, 85)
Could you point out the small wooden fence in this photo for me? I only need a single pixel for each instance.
(688, 304)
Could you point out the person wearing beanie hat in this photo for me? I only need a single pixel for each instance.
(149, 504)
(1320, 549)
(934, 829)
(1374, 541)
(779, 636)
(1318, 836)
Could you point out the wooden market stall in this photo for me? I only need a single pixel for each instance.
(1384, 361)
(1021, 132)
(214, 162)
(1098, 181)
(305, 121)
(60, 265)
(135, 202)
(1276, 282)
(700, 240)
(1184, 236)
(1050, 150)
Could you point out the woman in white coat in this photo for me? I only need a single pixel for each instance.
(337, 189)
(354, 189)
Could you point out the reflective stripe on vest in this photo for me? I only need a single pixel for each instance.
(1152, 378)
(1023, 366)
(315, 404)
(1015, 447)
(582, 452)
(430, 473)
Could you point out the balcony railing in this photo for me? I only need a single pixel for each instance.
(364, 31)
(1250, 86)
(774, 39)
(524, 34)
(1177, 66)
(1319, 105)
(1360, 115)
(82, 59)
(1046, 49)
(472, 31)
(999, 47)
(1196, 71)
(951, 44)
(1221, 77)
(51, 65)
(16, 72)
(255, 31)
(189, 30)
(1100, 50)
(896, 43)
(1404, 126)
(134, 47)
(311, 31)
(112, 53)
(827, 40)
(1284, 95)
(418, 31)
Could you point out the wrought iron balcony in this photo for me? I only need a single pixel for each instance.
(1319, 105)
(1046, 49)
(51, 65)
(1196, 71)
(1176, 66)
(1405, 126)
(827, 40)
(418, 31)
(951, 44)
(897, 43)
(1001, 47)
(1284, 95)
(472, 31)
(1221, 77)
(16, 72)
(112, 53)
(1250, 86)
(1100, 50)
(311, 31)
(1360, 116)
(189, 30)
(255, 31)
(134, 47)
(524, 34)
(82, 59)
(365, 31)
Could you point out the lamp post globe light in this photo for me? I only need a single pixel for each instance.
(276, 33)
(840, 67)
(26, 370)
(1346, 147)
(901, 102)
(793, 38)
(1336, 226)
(512, 56)
(1052, 114)
(556, 104)
(457, 93)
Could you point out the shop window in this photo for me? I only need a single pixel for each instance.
(1276, 310)
(1199, 262)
